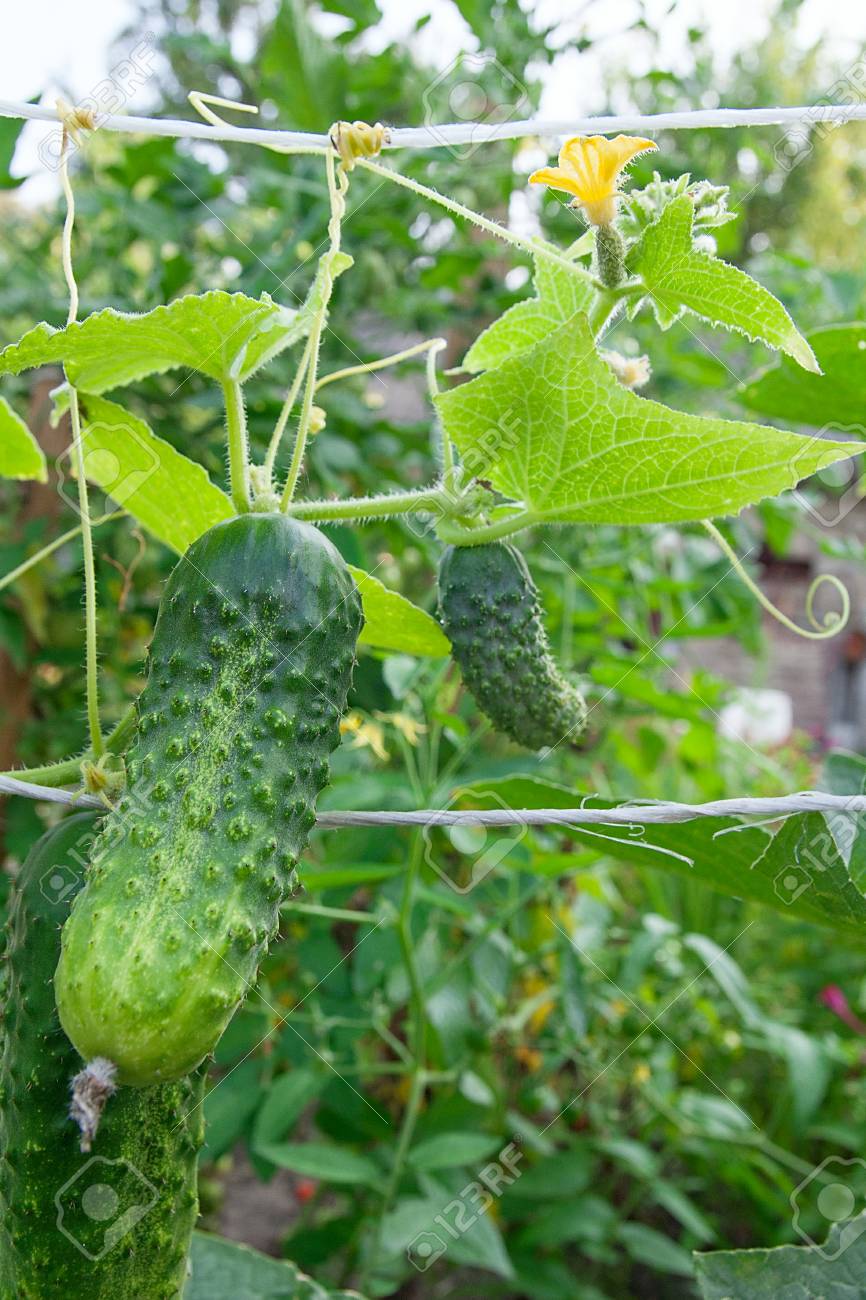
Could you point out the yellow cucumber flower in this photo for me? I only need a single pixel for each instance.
(589, 168)
(369, 735)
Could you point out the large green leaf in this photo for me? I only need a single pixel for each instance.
(679, 278)
(453, 1150)
(170, 495)
(554, 429)
(558, 296)
(786, 392)
(175, 500)
(323, 1160)
(20, 453)
(833, 1271)
(391, 622)
(223, 335)
(647, 1246)
(224, 1270)
(845, 773)
(800, 871)
(414, 1227)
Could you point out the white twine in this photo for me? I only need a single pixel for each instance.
(431, 136)
(628, 814)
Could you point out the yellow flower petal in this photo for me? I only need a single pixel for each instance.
(589, 168)
(556, 178)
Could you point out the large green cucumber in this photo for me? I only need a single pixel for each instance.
(117, 1223)
(490, 610)
(250, 666)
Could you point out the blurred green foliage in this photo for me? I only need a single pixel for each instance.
(657, 1054)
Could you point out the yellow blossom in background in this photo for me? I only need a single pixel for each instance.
(410, 729)
(589, 168)
(641, 1073)
(365, 735)
(535, 984)
(529, 1057)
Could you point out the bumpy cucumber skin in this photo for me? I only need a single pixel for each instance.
(250, 666)
(490, 611)
(149, 1136)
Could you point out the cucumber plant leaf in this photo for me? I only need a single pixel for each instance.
(174, 498)
(226, 1270)
(553, 428)
(169, 494)
(800, 871)
(785, 392)
(325, 1160)
(831, 1271)
(558, 296)
(222, 335)
(391, 622)
(10, 130)
(20, 453)
(678, 278)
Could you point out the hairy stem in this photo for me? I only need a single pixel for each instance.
(91, 646)
(484, 223)
(68, 771)
(431, 346)
(373, 507)
(285, 412)
(418, 1037)
(487, 532)
(30, 563)
(239, 459)
(300, 447)
(337, 195)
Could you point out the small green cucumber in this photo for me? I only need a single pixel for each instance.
(114, 1225)
(490, 611)
(250, 665)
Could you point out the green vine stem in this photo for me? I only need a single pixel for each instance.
(337, 195)
(31, 562)
(239, 458)
(68, 771)
(833, 622)
(430, 346)
(285, 412)
(504, 527)
(537, 249)
(419, 1078)
(601, 310)
(383, 506)
(91, 647)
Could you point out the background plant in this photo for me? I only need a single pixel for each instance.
(542, 960)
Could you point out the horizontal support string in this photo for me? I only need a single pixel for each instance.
(628, 814)
(462, 133)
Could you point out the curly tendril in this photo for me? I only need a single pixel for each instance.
(833, 621)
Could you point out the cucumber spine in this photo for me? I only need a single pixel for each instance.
(250, 666)
(56, 1237)
(490, 610)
